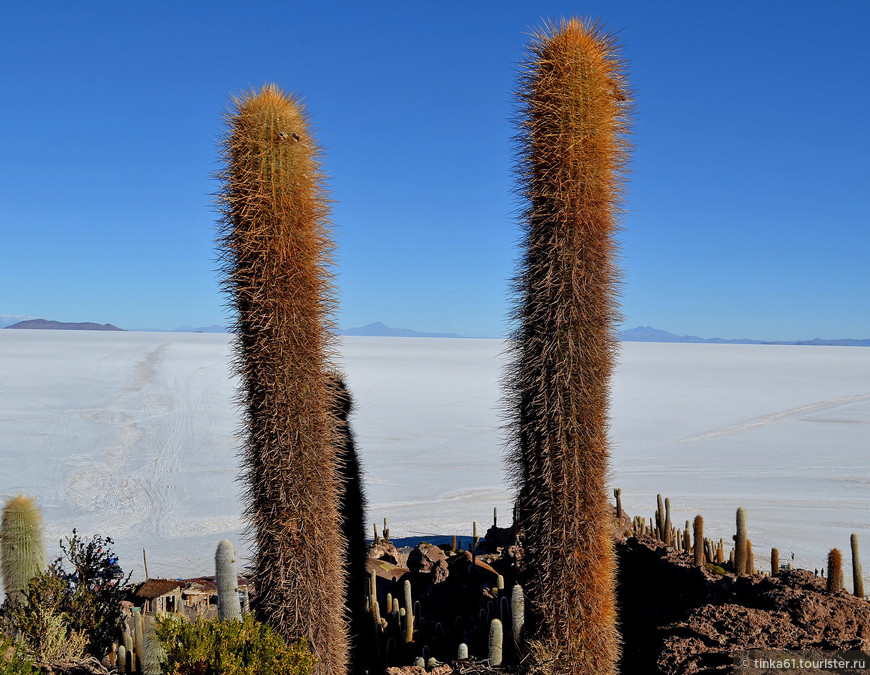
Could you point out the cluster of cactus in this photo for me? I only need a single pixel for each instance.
(138, 651)
(741, 559)
(490, 630)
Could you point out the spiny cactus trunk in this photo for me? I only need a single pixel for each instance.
(227, 582)
(276, 251)
(352, 510)
(573, 152)
(857, 572)
(740, 554)
(23, 548)
(835, 571)
(698, 551)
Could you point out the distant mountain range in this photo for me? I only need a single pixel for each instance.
(42, 324)
(650, 334)
(379, 329)
(202, 329)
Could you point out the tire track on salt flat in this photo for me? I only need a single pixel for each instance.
(776, 417)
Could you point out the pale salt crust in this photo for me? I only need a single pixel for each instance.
(133, 435)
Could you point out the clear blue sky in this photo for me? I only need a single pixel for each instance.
(749, 205)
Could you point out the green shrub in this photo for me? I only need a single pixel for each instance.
(214, 647)
(73, 607)
(95, 590)
(39, 624)
(13, 661)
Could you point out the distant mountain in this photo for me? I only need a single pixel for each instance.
(379, 329)
(650, 334)
(61, 325)
(203, 329)
(10, 319)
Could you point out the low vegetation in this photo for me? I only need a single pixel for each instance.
(212, 647)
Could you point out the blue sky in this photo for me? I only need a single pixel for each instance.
(748, 207)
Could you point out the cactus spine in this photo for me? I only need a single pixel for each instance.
(740, 556)
(276, 256)
(857, 573)
(699, 541)
(496, 641)
(573, 155)
(227, 582)
(23, 548)
(835, 571)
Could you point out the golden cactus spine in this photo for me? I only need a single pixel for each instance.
(276, 251)
(573, 151)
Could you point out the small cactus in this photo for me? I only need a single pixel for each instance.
(669, 538)
(857, 573)
(23, 549)
(121, 662)
(750, 558)
(617, 493)
(518, 612)
(496, 641)
(227, 582)
(409, 613)
(462, 652)
(774, 562)
(139, 637)
(835, 571)
(699, 541)
(660, 517)
(741, 559)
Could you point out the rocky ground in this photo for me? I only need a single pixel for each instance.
(675, 618)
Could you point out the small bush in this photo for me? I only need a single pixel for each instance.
(13, 661)
(213, 647)
(68, 613)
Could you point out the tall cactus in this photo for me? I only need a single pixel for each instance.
(857, 572)
(23, 547)
(227, 581)
(573, 152)
(698, 551)
(352, 511)
(741, 558)
(276, 253)
(835, 571)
